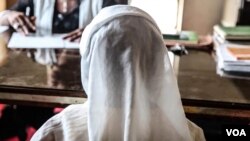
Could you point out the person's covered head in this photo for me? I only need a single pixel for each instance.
(126, 73)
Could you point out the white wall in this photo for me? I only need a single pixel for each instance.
(2, 5)
(230, 12)
(164, 12)
(202, 15)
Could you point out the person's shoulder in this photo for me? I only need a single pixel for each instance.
(75, 114)
(48, 130)
(74, 122)
(195, 131)
(69, 123)
(75, 109)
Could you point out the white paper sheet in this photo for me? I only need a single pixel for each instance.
(31, 41)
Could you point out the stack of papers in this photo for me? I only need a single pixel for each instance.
(32, 41)
(232, 46)
(228, 65)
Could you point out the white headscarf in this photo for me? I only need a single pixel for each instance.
(126, 73)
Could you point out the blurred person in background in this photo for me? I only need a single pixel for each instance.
(46, 17)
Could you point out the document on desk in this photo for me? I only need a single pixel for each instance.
(32, 41)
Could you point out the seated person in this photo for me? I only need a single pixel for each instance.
(56, 16)
(132, 90)
(45, 17)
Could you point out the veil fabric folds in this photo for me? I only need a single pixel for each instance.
(126, 73)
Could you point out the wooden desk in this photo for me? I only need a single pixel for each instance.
(210, 100)
(23, 81)
(198, 80)
(199, 85)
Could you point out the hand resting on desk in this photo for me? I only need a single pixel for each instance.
(24, 24)
(74, 36)
(20, 22)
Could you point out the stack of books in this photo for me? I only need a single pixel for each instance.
(232, 47)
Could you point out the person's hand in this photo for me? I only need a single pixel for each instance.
(74, 36)
(21, 23)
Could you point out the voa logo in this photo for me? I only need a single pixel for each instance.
(236, 132)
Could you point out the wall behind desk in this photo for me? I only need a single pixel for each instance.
(2, 5)
(198, 15)
(202, 15)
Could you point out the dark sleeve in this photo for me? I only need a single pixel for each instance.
(113, 2)
(21, 6)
